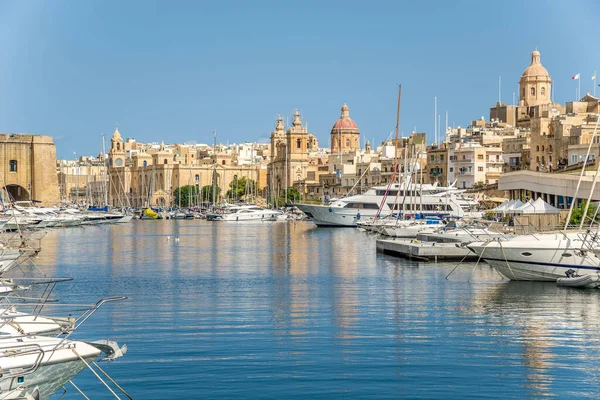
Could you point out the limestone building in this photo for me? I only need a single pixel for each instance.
(289, 155)
(149, 175)
(437, 164)
(29, 168)
(535, 96)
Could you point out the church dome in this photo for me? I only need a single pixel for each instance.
(535, 68)
(345, 123)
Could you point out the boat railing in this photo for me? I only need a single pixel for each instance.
(21, 350)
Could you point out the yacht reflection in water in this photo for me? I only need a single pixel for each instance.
(550, 322)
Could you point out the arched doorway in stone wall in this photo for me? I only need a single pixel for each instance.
(17, 192)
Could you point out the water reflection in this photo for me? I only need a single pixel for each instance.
(292, 311)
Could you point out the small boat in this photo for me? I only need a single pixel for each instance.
(579, 281)
(150, 214)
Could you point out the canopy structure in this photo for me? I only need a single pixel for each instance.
(502, 207)
(537, 206)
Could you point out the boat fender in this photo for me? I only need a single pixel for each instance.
(330, 209)
(237, 218)
(358, 216)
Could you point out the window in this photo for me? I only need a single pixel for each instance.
(543, 91)
(165, 161)
(523, 92)
(347, 142)
(537, 148)
(118, 146)
(197, 177)
(542, 147)
(145, 163)
(298, 143)
(13, 165)
(480, 169)
(533, 91)
(223, 162)
(537, 159)
(431, 158)
(480, 156)
(441, 158)
(451, 169)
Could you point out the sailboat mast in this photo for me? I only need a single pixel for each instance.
(397, 126)
(214, 190)
(105, 173)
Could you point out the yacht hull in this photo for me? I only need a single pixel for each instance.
(248, 217)
(335, 216)
(547, 261)
(38, 362)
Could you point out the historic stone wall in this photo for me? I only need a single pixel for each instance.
(28, 167)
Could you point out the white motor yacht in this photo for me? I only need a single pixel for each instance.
(540, 257)
(350, 210)
(43, 362)
(247, 213)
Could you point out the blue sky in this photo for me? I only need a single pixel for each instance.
(174, 71)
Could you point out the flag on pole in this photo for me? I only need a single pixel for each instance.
(575, 77)
(594, 77)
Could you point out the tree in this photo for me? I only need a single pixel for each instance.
(207, 192)
(188, 195)
(577, 214)
(293, 195)
(238, 188)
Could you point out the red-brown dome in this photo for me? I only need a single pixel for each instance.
(345, 122)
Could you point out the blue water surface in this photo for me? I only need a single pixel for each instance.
(291, 311)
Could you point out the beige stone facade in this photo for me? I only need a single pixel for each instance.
(290, 163)
(28, 168)
(81, 181)
(151, 175)
(436, 168)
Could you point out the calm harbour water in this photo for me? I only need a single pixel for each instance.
(291, 311)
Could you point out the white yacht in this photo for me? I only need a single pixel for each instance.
(43, 362)
(410, 229)
(246, 213)
(540, 257)
(349, 210)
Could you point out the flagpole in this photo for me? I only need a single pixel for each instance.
(579, 88)
(595, 83)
